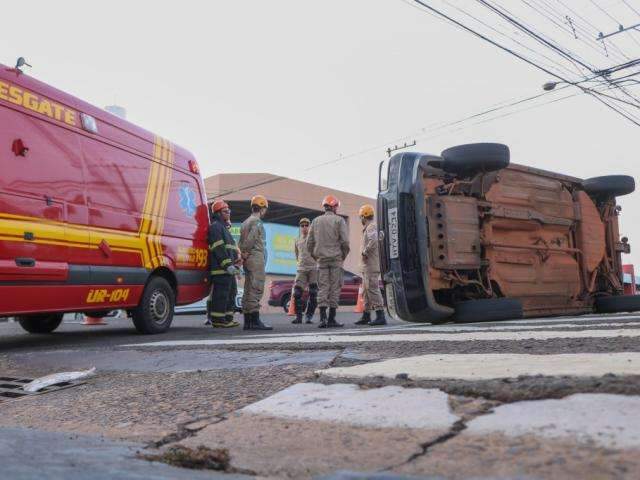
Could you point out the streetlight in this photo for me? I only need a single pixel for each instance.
(547, 87)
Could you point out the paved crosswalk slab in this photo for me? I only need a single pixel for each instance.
(496, 365)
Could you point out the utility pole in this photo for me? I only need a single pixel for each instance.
(621, 29)
(396, 148)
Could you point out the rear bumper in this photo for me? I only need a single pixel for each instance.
(404, 242)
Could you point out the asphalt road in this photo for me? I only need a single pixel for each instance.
(549, 398)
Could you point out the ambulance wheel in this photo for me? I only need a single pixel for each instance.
(45, 323)
(154, 313)
(618, 304)
(487, 310)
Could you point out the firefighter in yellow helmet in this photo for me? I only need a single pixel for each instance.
(254, 253)
(328, 244)
(370, 268)
(306, 275)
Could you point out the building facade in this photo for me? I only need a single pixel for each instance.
(289, 200)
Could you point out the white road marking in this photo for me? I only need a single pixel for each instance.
(495, 365)
(552, 322)
(388, 407)
(450, 329)
(401, 337)
(610, 421)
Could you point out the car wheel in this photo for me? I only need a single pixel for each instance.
(609, 186)
(618, 303)
(154, 313)
(467, 160)
(44, 323)
(286, 300)
(487, 310)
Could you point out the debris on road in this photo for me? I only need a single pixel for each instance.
(199, 458)
(56, 378)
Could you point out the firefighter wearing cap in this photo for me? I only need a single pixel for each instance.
(328, 244)
(370, 268)
(222, 260)
(306, 275)
(252, 248)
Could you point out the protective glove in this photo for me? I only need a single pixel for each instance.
(232, 270)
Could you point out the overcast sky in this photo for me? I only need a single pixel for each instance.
(280, 86)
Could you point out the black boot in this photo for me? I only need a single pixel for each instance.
(323, 317)
(331, 322)
(248, 321)
(364, 319)
(379, 320)
(257, 323)
(299, 306)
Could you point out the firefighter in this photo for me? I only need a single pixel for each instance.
(223, 270)
(370, 267)
(328, 244)
(253, 248)
(306, 275)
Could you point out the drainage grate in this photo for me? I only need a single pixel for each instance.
(11, 388)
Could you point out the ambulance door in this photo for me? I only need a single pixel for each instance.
(118, 184)
(41, 194)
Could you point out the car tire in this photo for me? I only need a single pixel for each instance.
(286, 298)
(618, 304)
(468, 160)
(609, 186)
(487, 310)
(154, 313)
(44, 323)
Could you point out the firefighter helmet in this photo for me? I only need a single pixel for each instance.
(366, 211)
(260, 201)
(219, 205)
(330, 201)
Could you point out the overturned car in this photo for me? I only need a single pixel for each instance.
(468, 236)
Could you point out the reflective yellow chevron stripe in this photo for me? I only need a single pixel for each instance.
(146, 241)
(216, 244)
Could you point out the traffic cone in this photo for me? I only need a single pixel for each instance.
(292, 305)
(93, 321)
(360, 303)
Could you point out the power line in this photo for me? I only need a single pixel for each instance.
(631, 8)
(555, 62)
(509, 18)
(595, 29)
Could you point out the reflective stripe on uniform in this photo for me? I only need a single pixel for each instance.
(217, 314)
(218, 272)
(230, 246)
(226, 261)
(230, 313)
(216, 244)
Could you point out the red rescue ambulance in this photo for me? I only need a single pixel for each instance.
(96, 214)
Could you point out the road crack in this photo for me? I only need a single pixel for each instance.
(186, 430)
(467, 409)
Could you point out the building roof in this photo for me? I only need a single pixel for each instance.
(242, 186)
